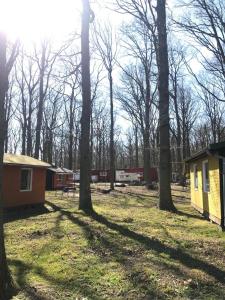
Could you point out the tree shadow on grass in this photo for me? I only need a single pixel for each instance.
(152, 244)
(24, 212)
(23, 268)
(101, 244)
(193, 216)
(151, 200)
(109, 248)
(156, 245)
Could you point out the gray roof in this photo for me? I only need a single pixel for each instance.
(23, 160)
(60, 170)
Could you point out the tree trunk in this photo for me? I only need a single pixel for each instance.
(146, 136)
(165, 198)
(136, 147)
(71, 130)
(29, 129)
(178, 137)
(85, 202)
(40, 105)
(91, 141)
(24, 133)
(146, 158)
(112, 150)
(6, 285)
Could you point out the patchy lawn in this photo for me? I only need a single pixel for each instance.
(128, 249)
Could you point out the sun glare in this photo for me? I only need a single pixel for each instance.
(34, 19)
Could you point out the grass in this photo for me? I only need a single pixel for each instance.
(127, 249)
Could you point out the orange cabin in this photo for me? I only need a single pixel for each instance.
(59, 178)
(23, 180)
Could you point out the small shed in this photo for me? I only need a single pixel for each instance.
(23, 180)
(207, 179)
(57, 178)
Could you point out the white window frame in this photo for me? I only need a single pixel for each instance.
(195, 169)
(205, 189)
(31, 179)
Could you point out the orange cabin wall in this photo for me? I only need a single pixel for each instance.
(67, 180)
(12, 196)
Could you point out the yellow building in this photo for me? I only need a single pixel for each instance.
(207, 178)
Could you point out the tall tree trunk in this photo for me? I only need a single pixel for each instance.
(103, 152)
(49, 145)
(40, 105)
(29, 137)
(178, 136)
(70, 158)
(71, 130)
(112, 150)
(91, 141)
(165, 198)
(146, 158)
(6, 285)
(136, 147)
(85, 202)
(29, 129)
(24, 133)
(146, 136)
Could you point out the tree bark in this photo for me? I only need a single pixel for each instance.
(136, 147)
(146, 136)
(40, 105)
(6, 285)
(165, 198)
(178, 136)
(85, 202)
(112, 150)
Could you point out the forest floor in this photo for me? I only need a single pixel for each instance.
(127, 249)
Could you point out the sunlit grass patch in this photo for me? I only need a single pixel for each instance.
(127, 249)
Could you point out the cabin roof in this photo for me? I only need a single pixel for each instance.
(23, 160)
(60, 170)
(216, 148)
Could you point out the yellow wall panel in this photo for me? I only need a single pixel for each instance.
(207, 201)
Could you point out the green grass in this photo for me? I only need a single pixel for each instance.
(128, 249)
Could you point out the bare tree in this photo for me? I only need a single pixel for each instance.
(165, 198)
(204, 21)
(85, 202)
(45, 64)
(214, 114)
(106, 45)
(6, 284)
(51, 122)
(139, 45)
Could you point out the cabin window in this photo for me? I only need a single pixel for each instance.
(196, 177)
(26, 180)
(205, 176)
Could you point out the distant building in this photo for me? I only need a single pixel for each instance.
(23, 180)
(121, 175)
(207, 179)
(59, 178)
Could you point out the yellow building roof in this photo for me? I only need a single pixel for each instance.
(16, 159)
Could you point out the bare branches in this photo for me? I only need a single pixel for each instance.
(205, 23)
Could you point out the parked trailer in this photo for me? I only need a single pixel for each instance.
(123, 176)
